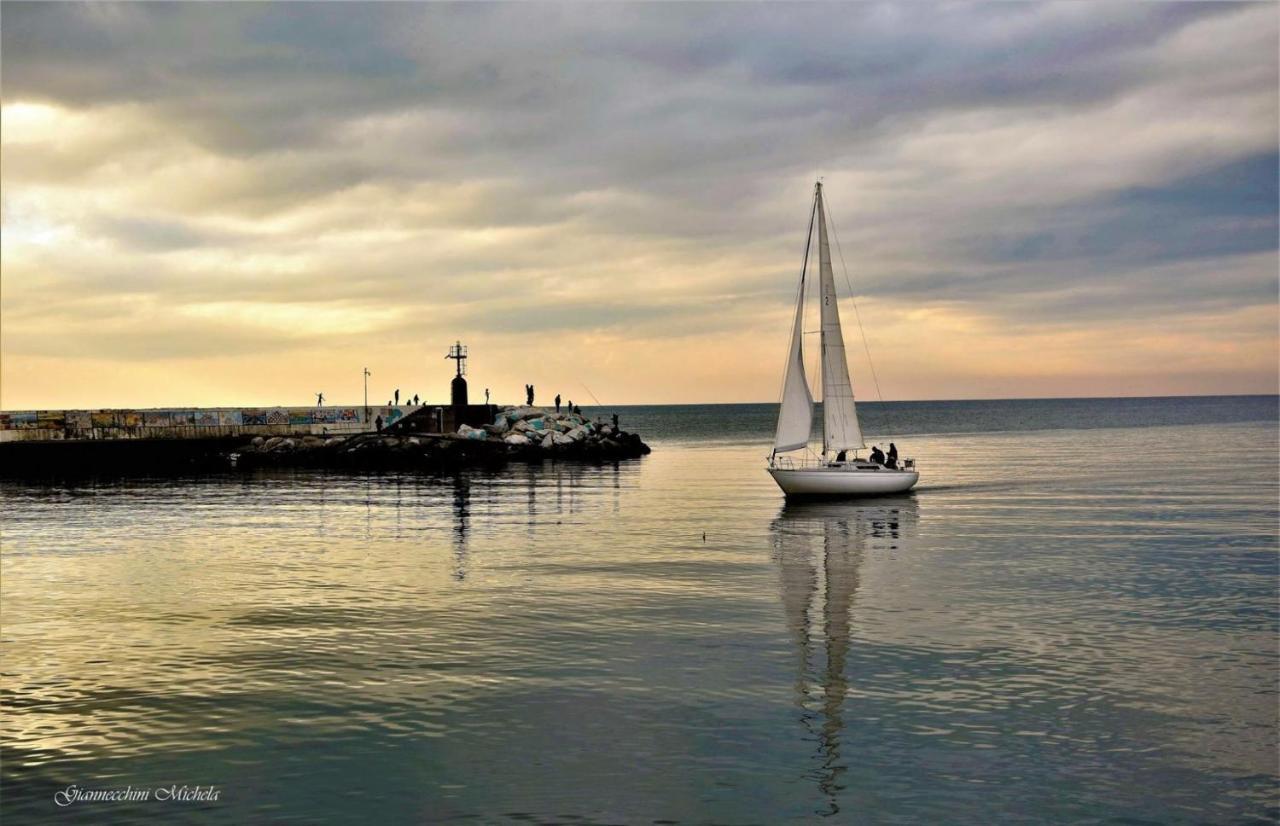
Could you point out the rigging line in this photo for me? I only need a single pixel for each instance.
(875, 379)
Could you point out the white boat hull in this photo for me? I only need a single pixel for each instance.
(842, 481)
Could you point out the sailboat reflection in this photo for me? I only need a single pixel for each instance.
(820, 548)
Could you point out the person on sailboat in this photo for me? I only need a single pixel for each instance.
(891, 461)
(840, 457)
(877, 455)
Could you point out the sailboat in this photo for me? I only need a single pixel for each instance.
(831, 472)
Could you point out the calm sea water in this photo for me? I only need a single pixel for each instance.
(1074, 618)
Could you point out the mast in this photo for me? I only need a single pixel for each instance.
(822, 283)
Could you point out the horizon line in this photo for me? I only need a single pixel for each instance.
(688, 404)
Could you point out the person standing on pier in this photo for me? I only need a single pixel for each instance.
(557, 402)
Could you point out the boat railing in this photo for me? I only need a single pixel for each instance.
(814, 461)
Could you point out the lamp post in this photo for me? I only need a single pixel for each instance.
(367, 374)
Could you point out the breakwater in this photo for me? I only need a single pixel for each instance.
(191, 422)
(410, 438)
(515, 434)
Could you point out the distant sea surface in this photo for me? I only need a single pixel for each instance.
(1072, 619)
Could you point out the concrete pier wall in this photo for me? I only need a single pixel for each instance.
(191, 422)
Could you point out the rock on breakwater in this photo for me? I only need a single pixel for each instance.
(526, 434)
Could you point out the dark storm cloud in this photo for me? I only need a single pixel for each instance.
(1228, 210)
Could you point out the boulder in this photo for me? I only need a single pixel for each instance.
(516, 439)
(518, 413)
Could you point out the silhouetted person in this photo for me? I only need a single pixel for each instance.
(615, 421)
(840, 457)
(397, 396)
(892, 459)
(378, 423)
(577, 411)
(486, 395)
(415, 399)
(877, 456)
(528, 395)
(557, 402)
(319, 399)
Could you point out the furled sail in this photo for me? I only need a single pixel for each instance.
(839, 417)
(795, 416)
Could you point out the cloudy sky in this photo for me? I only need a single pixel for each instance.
(246, 204)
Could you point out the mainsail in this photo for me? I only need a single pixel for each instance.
(839, 417)
(795, 416)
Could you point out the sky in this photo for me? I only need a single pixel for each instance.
(247, 204)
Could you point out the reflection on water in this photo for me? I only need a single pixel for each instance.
(462, 521)
(1039, 636)
(819, 548)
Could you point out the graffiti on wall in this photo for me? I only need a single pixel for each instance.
(193, 417)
